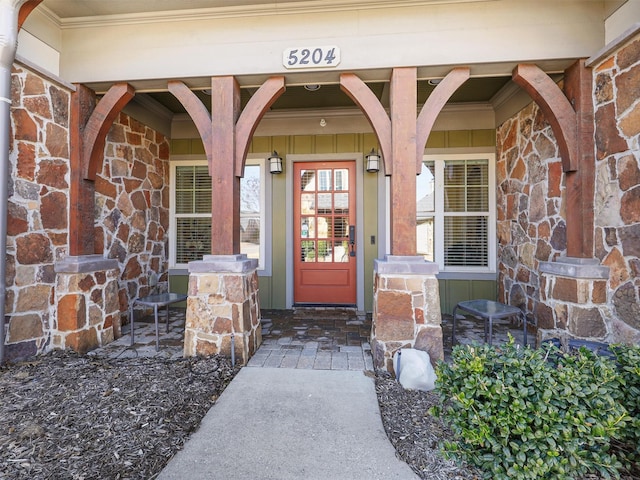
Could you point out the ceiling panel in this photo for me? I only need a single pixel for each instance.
(331, 96)
(473, 90)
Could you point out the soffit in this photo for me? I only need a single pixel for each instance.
(67, 9)
(474, 90)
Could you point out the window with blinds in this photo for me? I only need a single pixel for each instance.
(192, 212)
(455, 213)
(466, 211)
(192, 196)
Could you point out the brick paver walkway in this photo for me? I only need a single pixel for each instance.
(318, 339)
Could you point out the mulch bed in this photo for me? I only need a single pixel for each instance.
(67, 416)
(414, 433)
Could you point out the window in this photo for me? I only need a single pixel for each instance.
(191, 208)
(192, 200)
(455, 212)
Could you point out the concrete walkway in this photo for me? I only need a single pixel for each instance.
(278, 423)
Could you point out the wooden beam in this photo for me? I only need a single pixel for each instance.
(25, 10)
(251, 115)
(433, 106)
(580, 184)
(197, 111)
(403, 102)
(362, 95)
(96, 129)
(225, 185)
(81, 190)
(556, 108)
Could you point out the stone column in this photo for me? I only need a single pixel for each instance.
(223, 304)
(406, 309)
(573, 300)
(87, 308)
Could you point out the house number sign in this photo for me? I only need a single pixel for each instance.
(311, 57)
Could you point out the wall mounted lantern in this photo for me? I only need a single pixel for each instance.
(373, 161)
(275, 163)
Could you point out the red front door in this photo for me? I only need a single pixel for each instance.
(324, 233)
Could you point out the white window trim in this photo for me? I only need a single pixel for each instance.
(264, 266)
(439, 212)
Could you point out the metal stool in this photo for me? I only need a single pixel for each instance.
(155, 301)
(488, 310)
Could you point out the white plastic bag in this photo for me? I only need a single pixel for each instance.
(413, 369)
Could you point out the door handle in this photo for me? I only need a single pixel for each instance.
(352, 240)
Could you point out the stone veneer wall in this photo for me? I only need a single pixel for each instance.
(531, 225)
(132, 218)
(132, 208)
(531, 221)
(37, 223)
(617, 198)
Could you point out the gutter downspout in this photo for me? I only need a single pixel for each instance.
(9, 10)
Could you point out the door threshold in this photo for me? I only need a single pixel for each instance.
(328, 306)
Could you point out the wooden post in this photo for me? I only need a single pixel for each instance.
(81, 190)
(581, 183)
(225, 186)
(403, 145)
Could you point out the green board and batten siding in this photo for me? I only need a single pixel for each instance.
(273, 288)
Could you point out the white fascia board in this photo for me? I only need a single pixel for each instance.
(622, 20)
(38, 53)
(40, 41)
(44, 25)
(497, 33)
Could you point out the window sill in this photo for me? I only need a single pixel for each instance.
(177, 271)
(467, 275)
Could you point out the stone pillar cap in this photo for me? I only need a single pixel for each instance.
(237, 263)
(574, 267)
(405, 265)
(85, 264)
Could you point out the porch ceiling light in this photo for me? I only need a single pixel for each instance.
(275, 163)
(373, 161)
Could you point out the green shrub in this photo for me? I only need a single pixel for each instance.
(628, 359)
(525, 414)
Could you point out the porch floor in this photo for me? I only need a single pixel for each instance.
(313, 338)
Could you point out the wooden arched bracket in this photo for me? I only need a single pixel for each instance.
(433, 106)
(198, 113)
(571, 119)
(362, 95)
(251, 115)
(96, 129)
(25, 10)
(556, 108)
